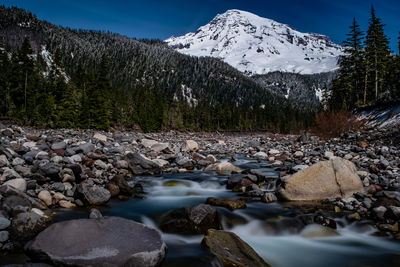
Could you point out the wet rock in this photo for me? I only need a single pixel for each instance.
(113, 189)
(230, 250)
(18, 183)
(269, 197)
(236, 180)
(286, 225)
(92, 194)
(380, 212)
(231, 204)
(109, 241)
(326, 179)
(318, 231)
(95, 214)
(354, 217)
(223, 166)
(66, 204)
(191, 220)
(122, 184)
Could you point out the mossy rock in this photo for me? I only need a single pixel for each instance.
(230, 250)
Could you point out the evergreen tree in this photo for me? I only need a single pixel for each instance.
(347, 87)
(376, 54)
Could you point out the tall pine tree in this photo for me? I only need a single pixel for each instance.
(377, 54)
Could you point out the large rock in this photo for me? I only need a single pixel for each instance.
(18, 183)
(230, 250)
(92, 194)
(191, 220)
(336, 178)
(27, 225)
(109, 241)
(223, 166)
(139, 164)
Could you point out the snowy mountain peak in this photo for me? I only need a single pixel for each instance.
(256, 45)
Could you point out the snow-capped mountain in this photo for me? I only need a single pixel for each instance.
(256, 45)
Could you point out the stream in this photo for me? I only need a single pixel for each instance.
(281, 245)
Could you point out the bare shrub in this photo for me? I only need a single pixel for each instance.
(331, 124)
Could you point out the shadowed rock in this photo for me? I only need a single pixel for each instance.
(109, 241)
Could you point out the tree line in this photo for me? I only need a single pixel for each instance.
(369, 72)
(45, 96)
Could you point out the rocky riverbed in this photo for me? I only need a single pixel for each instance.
(355, 178)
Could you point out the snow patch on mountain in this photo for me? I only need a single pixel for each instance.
(48, 59)
(256, 45)
(187, 94)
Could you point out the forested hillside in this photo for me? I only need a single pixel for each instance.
(59, 77)
(307, 90)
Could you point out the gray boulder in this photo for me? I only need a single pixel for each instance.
(59, 145)
(139, 164)
(92, 194)
(109, 241)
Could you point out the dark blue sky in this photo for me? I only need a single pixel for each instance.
(161, 19)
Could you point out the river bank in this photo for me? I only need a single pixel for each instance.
(64, 171)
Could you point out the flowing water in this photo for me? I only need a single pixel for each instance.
(279, 244)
